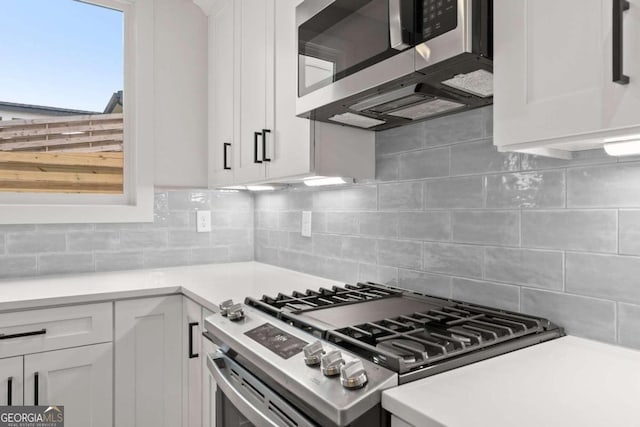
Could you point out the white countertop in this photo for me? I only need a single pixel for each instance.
(206, 284)
(565, 382)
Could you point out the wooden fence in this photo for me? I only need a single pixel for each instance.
(71, 154)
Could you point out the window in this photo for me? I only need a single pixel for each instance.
(78, 148)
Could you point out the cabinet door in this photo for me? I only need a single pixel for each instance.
(192, 366)
(254, 48)
(11, 381)
(290, 147)
(223, 104)
(148, 362)
(622, 102)
(80, 379)
(208, 387)
(549, 63)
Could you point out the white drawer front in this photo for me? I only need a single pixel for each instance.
(35, 331)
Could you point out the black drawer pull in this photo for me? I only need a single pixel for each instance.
(23, 334)
(264, 145)
(9, 390)
(255, 147)
(192, 355)
(36, 384)
(619, 8)
(225, 160)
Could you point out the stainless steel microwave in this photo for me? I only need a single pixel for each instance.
(378, 64)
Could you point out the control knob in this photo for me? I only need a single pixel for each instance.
(225, 306)
(312, 353)
(235, 312)
(331, 362)
(353, 375)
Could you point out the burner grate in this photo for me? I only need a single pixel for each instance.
(420, 339)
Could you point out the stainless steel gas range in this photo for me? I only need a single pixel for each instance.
(323, 358)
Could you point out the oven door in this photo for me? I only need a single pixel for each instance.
(243, 400)
(347, 46)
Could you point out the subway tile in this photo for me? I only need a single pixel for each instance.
(299, 243)
(430, 225)
(454, 259)
(526, 190)
(65, 263)
(267, 219)
(378, 274)
(31, 243)
(342, 222)
(585, 317)
(629, 325)
(261, 237)
(604, 186)
(290, 221)
(17, 266)
(593, 231)
(403, 138)
(327, 245)
(604, 276)
(327, 199)
(387, 168)
(461, 127)
(300, 200)
(403, 196)
(231, 220)
(359, 249)
(360, 198)
(211, 255)
(238, 253)
(189, 200)
(231, 236)
(486, 227)
(540, 269)
(116, 261)
(481, 157)
(166, 258)
(379, 224)
(293, 260)
(120, 226)
(151, 239)
(580, 158)
(188, 238)
(161, 201)
(424, 164)
(401, 254)
(17, 228)
(343, 271)
(454, 193)
(629, 232)
(276, 239)
(271, 201)
(2, 248)
(485, 293)
(233, 202)
(425, 283)
(86, 241)
(318, 222)
(64, 227)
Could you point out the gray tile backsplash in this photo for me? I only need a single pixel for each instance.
(550, 237)
(171, 240)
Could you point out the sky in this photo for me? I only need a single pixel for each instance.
(60, 53)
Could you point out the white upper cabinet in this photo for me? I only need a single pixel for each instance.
(254, 134)
(554, 84)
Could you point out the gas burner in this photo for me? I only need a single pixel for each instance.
(408, 350)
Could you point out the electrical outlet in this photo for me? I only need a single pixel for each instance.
(203, 221)
(306, 224)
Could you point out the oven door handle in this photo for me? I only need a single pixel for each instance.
(267, 417)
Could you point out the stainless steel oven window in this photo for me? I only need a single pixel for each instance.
(340, 39)
(244, 400)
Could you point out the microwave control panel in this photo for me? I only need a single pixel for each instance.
(438, 17)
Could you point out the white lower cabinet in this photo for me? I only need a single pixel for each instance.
(11, 381)
(192, 365)
(80, 379)
(208, 387)
(148, 362)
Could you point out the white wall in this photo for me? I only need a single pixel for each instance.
(180, 94)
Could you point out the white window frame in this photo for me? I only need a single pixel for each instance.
(136, 202)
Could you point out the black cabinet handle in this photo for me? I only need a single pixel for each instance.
(192, 355)
(23, 334)
(255, 147)
(264, 145)
(225, 159)
(619, 7)
(9, 390)
(35, 388)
